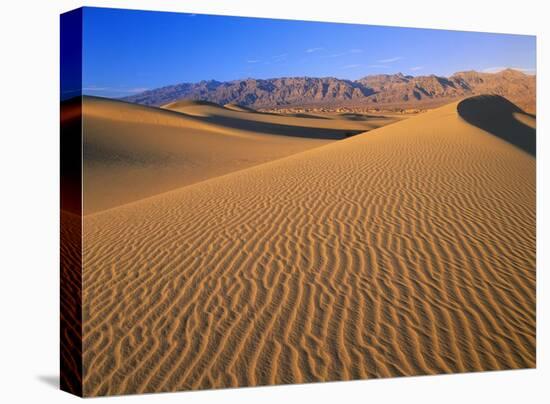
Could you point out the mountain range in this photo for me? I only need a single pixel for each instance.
(383, 90)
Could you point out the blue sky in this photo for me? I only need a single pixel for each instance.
(128, 51)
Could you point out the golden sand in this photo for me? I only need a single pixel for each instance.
(406, 250)
(132, 152)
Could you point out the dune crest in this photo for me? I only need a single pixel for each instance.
(238, 107)
(406, 250)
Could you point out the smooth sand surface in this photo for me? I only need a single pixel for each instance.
(132, 152)
(407, 250)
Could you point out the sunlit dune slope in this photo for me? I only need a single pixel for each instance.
(237, 107)
(403, 251)
(132, 151)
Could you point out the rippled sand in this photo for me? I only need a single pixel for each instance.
(406, 250)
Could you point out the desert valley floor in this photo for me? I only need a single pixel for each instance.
(224, 247)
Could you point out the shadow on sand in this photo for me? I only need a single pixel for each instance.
(495, 114)
(279, 129)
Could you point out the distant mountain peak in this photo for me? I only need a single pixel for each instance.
(512, 71)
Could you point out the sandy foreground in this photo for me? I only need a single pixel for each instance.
(406, 250)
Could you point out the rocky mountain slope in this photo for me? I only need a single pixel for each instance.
(375, 90)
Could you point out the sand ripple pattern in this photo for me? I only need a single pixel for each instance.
(71, 302)
(408, 250)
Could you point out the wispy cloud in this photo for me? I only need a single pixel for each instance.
(278, 58)
(378, 66)
(415, 68)
(335, 55)
(352, 66)
(311, 50)
(497, 69)
(390, 60)
(252, 61)
(348, 52)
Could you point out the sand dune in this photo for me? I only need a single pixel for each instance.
(70, 256)
(406, 250)
(330, 126)
(71, 302)
(132, 152)
(502, 118)
(237, 107)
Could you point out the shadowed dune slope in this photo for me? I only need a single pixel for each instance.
(497, 115)
(408, 250)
